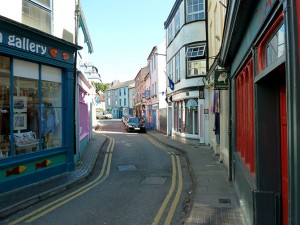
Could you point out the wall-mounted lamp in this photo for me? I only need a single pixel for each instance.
(201, 92)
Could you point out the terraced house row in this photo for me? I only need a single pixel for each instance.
(227, 75)
(232, 77)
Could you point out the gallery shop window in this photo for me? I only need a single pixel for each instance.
(245, 115)
(37, 13)
(4, 106)
(196, 60)
(195, 10)
(31, 108)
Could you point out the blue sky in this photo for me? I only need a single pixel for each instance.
(123, 34)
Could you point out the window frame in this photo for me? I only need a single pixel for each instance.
(190, 16)
(177, 22)
(196, 54)
(44, 8)
(177, 67)
(261, 49)
(278, 46)
(170, 33)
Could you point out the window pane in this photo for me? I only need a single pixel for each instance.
(51, 114)
(198, 51)
(44, 2)
(37, 17)
(26, 115)
(195, 10)
(275, 48)
(5, 150)
(196, 67)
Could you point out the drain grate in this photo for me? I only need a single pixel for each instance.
(127, 168)
(154, 180)
(224, 201)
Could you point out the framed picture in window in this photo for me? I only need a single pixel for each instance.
(20, 104)
(20, 121)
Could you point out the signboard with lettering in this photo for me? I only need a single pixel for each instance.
(31, 46)
(221, 80)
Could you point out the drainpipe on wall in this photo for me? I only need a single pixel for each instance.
(77, 15)
(230, 134)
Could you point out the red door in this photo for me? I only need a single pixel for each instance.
(284, 154)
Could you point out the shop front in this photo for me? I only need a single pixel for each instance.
(264, 113)
(36, 105)
(189, 121)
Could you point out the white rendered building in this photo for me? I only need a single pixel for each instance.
(186, 68)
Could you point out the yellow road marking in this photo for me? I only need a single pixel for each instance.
(155, 143)
(167, 199)
(177, 196)
(172, 188)
(74, 194)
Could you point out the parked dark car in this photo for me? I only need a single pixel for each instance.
(134, 124)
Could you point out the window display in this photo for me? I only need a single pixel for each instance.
(33, 117)
(4, 107)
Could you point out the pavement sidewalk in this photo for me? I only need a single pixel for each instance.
(214, 200)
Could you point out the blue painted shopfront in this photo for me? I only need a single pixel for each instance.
(36, 105)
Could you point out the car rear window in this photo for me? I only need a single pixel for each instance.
(133, 120)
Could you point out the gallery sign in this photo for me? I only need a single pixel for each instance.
(221, 80)
(31, 46)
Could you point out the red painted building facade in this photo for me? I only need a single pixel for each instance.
(260, 49)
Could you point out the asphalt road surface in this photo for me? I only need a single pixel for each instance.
(136, 181)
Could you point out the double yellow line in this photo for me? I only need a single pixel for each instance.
(30, 217)
(176, 179)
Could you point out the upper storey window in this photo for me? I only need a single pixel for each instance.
(37, 14)
(196, 61)
(177, 21)
(170, 33)
(195, 10)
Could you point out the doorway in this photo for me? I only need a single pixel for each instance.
(284, 153)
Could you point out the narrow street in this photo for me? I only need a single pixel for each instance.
(135, 181)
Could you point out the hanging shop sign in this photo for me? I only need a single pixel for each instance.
(221, 80)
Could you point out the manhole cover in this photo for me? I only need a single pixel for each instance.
(154, 180)
(127, 168)
(224, 201)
